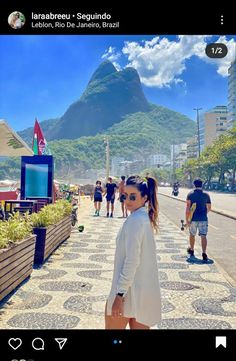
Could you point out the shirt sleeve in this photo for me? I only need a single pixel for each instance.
(133, 234)
(208, 199)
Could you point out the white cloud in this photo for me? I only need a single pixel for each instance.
(160, 62)
(113, 56)
(224, 63)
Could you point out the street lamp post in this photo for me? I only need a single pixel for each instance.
(173, 165)
(198, 131)
(106, 141)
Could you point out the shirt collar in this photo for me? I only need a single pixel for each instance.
(141, 209)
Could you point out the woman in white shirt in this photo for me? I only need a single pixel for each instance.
(16, 22)
(135, 297)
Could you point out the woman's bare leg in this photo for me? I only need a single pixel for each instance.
(95, 205)
(134, 325)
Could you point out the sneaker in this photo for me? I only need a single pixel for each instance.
(107, 214)
(111, 215)
(204, 257)
(190, 252)
(98, 213)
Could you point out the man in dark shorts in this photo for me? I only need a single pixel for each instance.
(121, 196)
(110, 196)
(199, 219)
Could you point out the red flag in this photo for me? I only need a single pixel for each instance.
(40, 147)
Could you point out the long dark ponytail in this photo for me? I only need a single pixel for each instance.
(147, 186)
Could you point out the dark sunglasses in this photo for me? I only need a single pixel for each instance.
(132, 197)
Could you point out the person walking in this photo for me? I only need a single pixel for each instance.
(98, 191)
(110, 196)
(199, 221)
(135, 297)
(121, 196)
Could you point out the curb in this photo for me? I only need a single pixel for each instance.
(214, 210)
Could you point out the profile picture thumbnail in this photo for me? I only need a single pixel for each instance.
(16, 20)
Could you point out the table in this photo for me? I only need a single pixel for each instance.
(21, 205)
(41, 202)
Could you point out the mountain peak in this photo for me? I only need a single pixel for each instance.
(104, 69)
(109, 96)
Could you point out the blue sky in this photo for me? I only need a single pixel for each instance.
(42, 75)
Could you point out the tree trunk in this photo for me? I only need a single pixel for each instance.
(220, 176)
(209, 180)
(233, 179)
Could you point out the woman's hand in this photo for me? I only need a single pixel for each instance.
(118, 307)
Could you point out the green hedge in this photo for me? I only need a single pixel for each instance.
(15, 229)
(51, 214)
(19, 227)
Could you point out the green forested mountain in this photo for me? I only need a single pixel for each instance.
(135, 137)
(160, 125)
(109, 96)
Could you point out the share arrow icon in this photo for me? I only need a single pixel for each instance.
(61, 342)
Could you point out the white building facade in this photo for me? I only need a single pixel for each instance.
(231, 95)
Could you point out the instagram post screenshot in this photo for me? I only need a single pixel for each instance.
(117, 182)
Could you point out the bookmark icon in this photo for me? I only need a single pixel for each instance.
(61, 342)
(221, 341)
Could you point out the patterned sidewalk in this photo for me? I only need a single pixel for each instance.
(70, 290)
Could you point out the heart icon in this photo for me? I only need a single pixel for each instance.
(15, 343)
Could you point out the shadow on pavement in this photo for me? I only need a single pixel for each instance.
(196, 260)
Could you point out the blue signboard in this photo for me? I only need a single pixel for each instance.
(37, 176)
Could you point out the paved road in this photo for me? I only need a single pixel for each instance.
(222, 233)
(223, 201)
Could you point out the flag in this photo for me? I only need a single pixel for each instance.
(40, 146)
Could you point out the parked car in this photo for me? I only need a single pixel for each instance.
(228, 188)
(215, 186)
(212, 186)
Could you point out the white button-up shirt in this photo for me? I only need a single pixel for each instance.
(135, 270)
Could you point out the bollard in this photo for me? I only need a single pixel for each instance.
(81, 228)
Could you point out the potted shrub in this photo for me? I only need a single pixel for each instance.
(17, 245)
(52, 226)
